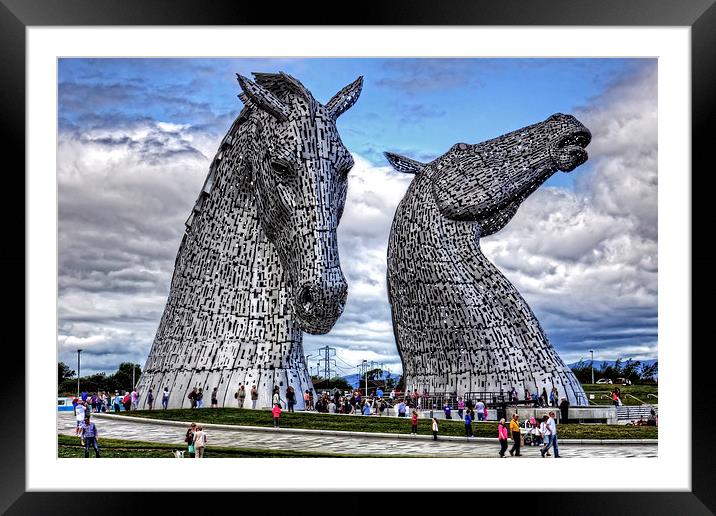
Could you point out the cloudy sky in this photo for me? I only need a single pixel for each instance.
(136, 137)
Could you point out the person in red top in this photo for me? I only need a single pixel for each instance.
(276, 411)
(414, 421)
(502, 436)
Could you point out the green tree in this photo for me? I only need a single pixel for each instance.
(583, 371)
(338, 382)
(648, 373)
(64, 372)
(631, 370)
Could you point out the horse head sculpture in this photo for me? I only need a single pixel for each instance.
(459, 324)
(300, 185)
(488, 181)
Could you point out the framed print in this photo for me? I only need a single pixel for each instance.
(122, 111)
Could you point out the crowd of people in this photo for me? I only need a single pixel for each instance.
(103, 401)
(542, 433)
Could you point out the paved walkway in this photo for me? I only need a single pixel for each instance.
(286, 439)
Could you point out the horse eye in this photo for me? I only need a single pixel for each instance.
(280, 168)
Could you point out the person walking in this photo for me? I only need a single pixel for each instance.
(127, 401)
(552, 425)
(200, 398)
(192, 398)
(135, 399)
(189, 440)
(254, 396)
(105, 401)
(502, 437)
(480, 408)
(241, 395)
(516, 435)
(290, 398)
(165, 398)
(276, 398)
(117, 402)
(414, 423)
(447, 410)
(546, 434)
(89, 436)
(276, 411)
(80, 412)
(468, 425)
(199, 442)
(460, 407)
(150, 399)
(435, 429)
(214, 398)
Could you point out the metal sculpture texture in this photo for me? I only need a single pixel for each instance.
(459, 324)
(258, 263)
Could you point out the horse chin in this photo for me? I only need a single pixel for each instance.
(315, 325)
(571, 157)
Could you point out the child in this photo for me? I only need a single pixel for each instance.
(414, 421)
(468, 425)
(276, 414)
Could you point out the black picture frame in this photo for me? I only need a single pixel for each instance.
(699, 15)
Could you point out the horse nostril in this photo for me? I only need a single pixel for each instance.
(305, 299)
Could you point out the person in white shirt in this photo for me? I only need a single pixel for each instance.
(331, 407)
(552, 426)
(480, 409)
(135, 399)
(199, 442)
(80, 416)
(546, 433)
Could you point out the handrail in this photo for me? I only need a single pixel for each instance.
(637, 399)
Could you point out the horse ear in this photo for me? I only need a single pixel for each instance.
(403, 164)
(263, 98)
(344, 99)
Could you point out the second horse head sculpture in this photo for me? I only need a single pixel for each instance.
(459, 324)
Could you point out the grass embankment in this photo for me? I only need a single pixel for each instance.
(70, 447)
(602, 393)
(389, 425)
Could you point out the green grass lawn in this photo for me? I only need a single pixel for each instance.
(639, 391)
(70, 447)
(392, 425)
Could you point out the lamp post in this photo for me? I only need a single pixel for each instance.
(592, 352)
(78, 372)
(365, 369)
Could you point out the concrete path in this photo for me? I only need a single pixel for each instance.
(119, 427)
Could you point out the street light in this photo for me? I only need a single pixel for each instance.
(592, 352)
(78, 372)
(365, 368)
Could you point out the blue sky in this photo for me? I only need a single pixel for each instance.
(152, 125)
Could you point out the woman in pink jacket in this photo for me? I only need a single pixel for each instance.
(276, 414)
(502, 436)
